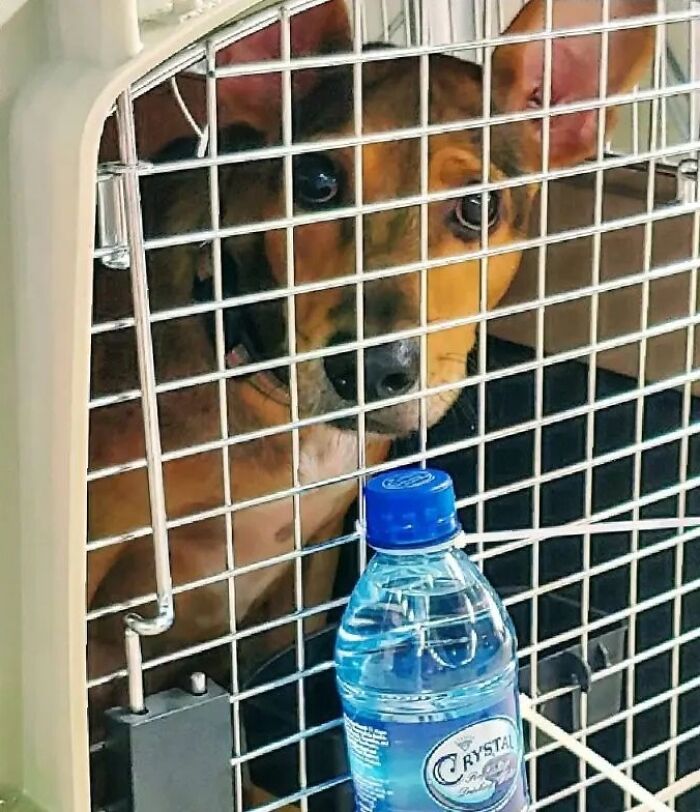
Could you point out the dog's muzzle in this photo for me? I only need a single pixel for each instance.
(391, 370)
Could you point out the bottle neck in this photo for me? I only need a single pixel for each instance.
(430, 549)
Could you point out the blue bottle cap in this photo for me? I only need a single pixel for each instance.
(411, 509)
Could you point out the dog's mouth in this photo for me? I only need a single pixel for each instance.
(250, 343)
(251, 349)
(254, 346)
(250, 334)
(246, 346)
(375, 424)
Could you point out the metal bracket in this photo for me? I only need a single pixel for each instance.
(176, 755)
(112, 239)
(687, 178)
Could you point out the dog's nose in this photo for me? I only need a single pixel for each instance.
(391, 370)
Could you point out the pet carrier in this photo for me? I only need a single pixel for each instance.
(258, 251)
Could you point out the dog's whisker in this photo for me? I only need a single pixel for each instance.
(453, 359)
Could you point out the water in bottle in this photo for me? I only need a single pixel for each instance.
(426, 663)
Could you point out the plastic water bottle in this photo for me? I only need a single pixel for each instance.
(426, 663)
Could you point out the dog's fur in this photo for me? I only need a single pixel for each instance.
(253, 192)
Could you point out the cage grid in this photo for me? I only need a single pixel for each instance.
(422, 37)
(570, 429)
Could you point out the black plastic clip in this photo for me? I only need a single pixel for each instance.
(577, 669)
(174, 757)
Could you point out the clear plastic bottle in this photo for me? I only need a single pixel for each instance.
(426, 663)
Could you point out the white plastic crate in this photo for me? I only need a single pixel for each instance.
(573, 444)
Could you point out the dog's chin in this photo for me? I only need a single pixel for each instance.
(405, 419)
(391, 423)
(373, 427)
(317, 398)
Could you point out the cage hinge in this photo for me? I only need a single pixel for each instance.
(112, 240)
(176, 755)
(687, 178)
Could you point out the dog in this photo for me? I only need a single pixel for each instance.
(257, 263)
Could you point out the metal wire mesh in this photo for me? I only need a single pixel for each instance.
(569, 417)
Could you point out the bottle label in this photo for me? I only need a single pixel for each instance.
(467, 764)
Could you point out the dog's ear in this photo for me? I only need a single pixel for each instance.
(249, 101)
(256, 100)
(518, 72)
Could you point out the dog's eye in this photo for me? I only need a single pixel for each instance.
(317, 181)
(469, 215)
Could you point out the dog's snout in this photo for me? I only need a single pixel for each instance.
(391, 370)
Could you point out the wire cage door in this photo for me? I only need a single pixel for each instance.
(316, 260)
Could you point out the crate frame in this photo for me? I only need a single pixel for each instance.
(53, 463)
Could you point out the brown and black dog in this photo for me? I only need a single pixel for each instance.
(254, 192)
